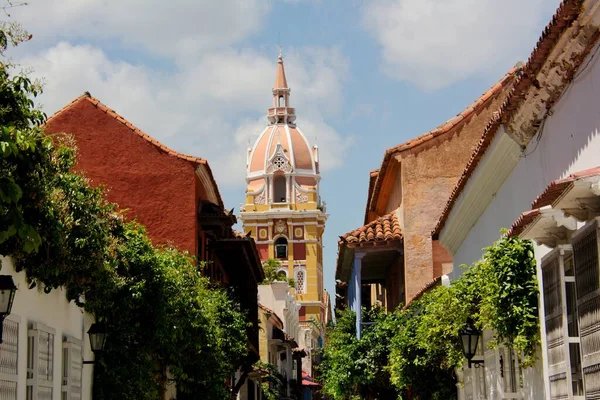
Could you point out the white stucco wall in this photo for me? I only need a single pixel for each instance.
(569, 143)
(52, 310)
(277, 297)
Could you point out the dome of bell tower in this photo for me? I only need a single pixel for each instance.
(282, 150)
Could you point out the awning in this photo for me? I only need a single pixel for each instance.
(560, 208)
(307, 380)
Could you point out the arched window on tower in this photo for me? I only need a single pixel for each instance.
(281, 248)
(281, 101)
(279, 189)
(281, 275)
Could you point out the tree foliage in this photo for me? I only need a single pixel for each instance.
(356, 369)
(272, 267)
(273, 384)
(420, 347)
(60, 230)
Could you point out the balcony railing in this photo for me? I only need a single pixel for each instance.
(281, 111)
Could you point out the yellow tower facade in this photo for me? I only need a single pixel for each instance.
(283, 210)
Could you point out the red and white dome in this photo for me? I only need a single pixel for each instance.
(298, 153)
(282, 149)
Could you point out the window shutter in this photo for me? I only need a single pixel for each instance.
(555, 329)
(587, 281)
(72, 368)
(40, 362)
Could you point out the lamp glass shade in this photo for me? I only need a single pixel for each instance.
(469, 338)
(97, 334)
(7, 294)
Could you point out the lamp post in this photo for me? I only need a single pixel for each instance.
(7, 297)
(469, 337)
(97, 334)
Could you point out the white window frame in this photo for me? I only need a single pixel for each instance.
(72, 361)
(10, 378)
(35, 383)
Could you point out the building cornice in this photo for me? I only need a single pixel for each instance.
(493, 169)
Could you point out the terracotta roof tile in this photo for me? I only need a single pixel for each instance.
(521, 223)
(273, 314)
(552, 193)
(386, 228)
(197, 161)
(566, 13)
(554, 190)
(452, 124)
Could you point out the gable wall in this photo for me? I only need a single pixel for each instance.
(158, 189)
(428, 178)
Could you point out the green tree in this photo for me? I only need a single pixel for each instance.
(273, 273)
(357, 369)
(417, 350)
(62, 233)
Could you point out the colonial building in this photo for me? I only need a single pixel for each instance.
(392, 257)
(44, 344)
(283, 209)
(537, 164)
(281, 326)
(174, 195)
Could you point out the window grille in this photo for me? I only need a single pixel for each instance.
(40, 362)
(8, 390)
(587, 283)
(300, 281)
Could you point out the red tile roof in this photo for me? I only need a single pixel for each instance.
(552, 193)
(566, 13)
(196, 161)
(383, 229)
(273, 314)
(521, 223)
(307, 380)
(555, 189)
(453, 124)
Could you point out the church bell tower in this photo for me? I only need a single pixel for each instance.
(283, 210)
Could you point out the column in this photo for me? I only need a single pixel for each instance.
(357, 287)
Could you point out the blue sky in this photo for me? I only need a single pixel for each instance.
(197, 75)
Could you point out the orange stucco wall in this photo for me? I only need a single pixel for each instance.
(428, 178)
(157, 189)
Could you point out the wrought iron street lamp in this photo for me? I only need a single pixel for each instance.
(7, 297)
(469, 338)
(97, 334)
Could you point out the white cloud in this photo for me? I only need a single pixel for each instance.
(203, 108)
(434, 43)
(180, 28)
